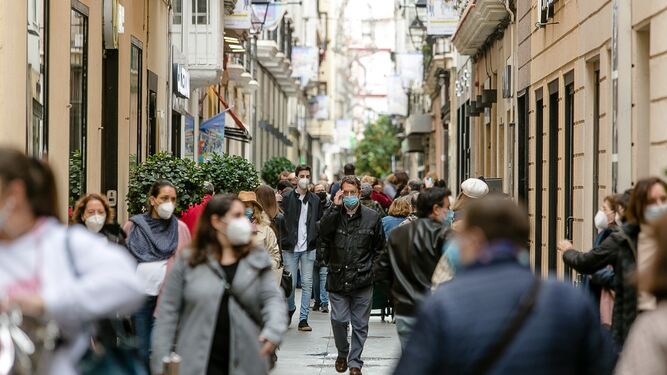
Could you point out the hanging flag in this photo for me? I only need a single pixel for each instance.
(240, 19)
(410, 68)
(441, 17)
(268, 15)
(212, 136)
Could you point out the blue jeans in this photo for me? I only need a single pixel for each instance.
(143, 321)
(307, 261)
(320, 286)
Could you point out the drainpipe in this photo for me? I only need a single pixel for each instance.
(614, 100)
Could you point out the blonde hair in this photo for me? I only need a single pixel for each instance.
(461, 201)
(400, 207)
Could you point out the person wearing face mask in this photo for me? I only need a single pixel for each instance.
(356, 239)
(93, 211)
(221, 309)
(264, 235)
(302, 210)
(153, 238)
(621, 249)
(497, 317)
(54, 273)
(411, 255)
(365, 199)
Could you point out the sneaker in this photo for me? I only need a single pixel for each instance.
(325, 309)
(304, 327)
(316, 306)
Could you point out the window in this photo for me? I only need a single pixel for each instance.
(135, 99)
(200, 12)
(37, 70)
(78, 100)
(178, 12)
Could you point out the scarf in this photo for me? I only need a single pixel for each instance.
(152, 239)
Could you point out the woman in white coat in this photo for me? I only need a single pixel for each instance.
(37, 274)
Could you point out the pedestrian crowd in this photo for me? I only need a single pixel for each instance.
(212, 289)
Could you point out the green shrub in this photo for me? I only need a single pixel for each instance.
(183, 173)
(230, 173)
(273, 168)
(75, 175)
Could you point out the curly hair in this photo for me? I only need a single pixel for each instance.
(80, 208)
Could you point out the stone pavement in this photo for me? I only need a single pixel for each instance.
(315, 352)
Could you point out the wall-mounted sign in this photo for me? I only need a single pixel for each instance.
(240, 18)
(181, 81)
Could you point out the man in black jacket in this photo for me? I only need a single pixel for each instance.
(412, 253)
(302, 211)
(355, 238)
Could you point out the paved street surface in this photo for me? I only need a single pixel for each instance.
(315, 352)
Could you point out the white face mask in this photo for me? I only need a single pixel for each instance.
(654, 211)
(239, 231)
(95, 222)
(303, 183)
(165, 210)
(601, 221)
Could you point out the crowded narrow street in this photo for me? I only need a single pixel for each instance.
(379, 187)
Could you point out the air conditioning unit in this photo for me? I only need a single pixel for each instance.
(545, 11)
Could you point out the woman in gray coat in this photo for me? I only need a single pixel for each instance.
(220, 309)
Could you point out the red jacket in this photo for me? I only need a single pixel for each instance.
(192, 214)
(381, 198)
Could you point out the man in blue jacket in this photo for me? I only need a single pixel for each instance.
(496, 317)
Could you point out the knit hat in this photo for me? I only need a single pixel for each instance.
(474, 188)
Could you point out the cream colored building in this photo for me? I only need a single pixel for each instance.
(552, 142)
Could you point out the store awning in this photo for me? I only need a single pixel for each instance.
(240, 132)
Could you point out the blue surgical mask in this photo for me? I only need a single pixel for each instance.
(249, 213)
(449, 219)
(351, 202)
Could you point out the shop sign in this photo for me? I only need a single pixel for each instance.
(240, 18)
(181, 81)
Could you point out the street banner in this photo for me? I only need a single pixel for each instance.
(189, 135)
(441, 17)
(343, 133)
(305, 64)
(397, 99)
(410, 68)
(240, 19)
(212, 136)
(269, 15)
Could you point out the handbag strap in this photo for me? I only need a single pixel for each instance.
(495, 351)
(228, 289)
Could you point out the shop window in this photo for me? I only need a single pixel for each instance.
(200, 12)
(78, 99)
(37, 72)
(135, 99)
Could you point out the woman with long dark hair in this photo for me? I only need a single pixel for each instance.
(69, 275)
(221, 308)
(621, 250)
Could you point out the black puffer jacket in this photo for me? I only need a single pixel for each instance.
(412, 253)
(619, 250)
(354, 242)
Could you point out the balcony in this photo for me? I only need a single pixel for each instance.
(266, 51)
(480, 20)
(419, 125)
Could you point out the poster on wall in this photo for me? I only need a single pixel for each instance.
(240, 19)
(305, 64)
(212, 137)
(189, 135)
(441, 17)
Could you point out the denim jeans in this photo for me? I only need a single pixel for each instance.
(320, 285)
(305, 261)
(143, 321)
(404, 327)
